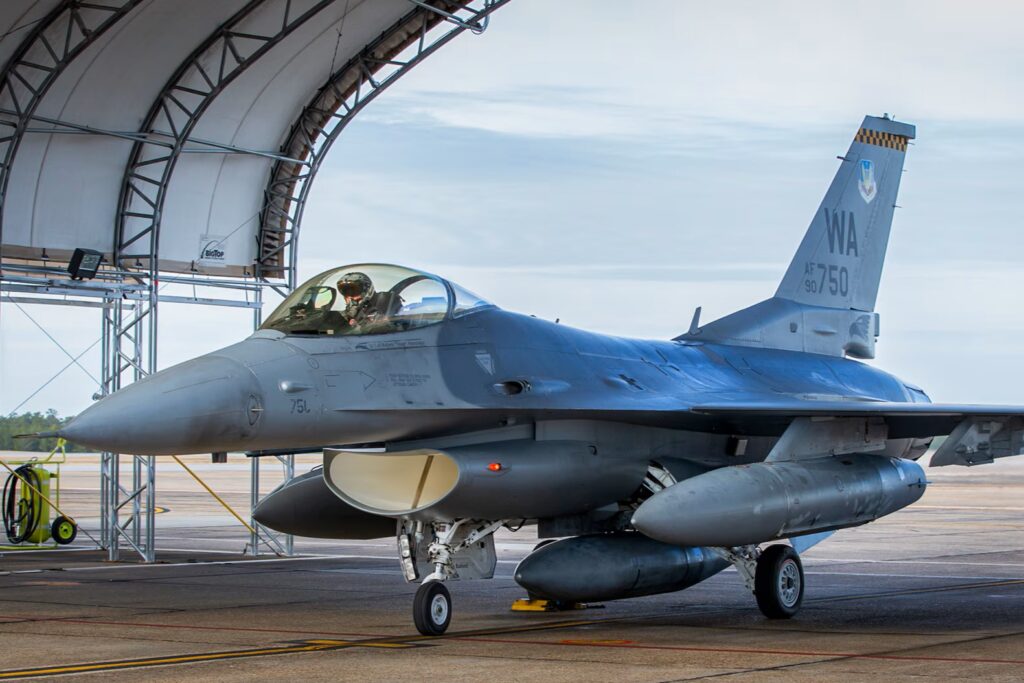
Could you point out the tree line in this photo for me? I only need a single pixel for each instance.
(30, 423)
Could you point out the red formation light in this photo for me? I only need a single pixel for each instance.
(494, 467)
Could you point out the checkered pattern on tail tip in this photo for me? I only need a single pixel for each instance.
(880, 139)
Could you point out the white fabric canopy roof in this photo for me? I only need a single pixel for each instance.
(198, 122)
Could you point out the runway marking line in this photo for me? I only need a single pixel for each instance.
(52, 584)
(319, 645)
(918, 591)
(748, 651)
(190, 627)
(980, 508)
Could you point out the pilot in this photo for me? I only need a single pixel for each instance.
(363, 305)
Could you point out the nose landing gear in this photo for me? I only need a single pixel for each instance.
(466, 543)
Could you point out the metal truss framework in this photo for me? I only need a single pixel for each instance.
(228, 52)
(347, 91)
(222, 57)
(26, 78)
(53, 44)
(128, 291)
(128, 353)
(278, 543)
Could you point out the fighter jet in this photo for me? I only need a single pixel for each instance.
(654, 463)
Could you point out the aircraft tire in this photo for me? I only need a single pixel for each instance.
(432, 608)
(779, 582)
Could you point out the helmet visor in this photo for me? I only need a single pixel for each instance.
(350, 288)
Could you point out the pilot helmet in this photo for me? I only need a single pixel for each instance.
(355, 284)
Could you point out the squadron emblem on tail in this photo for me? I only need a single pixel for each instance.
(866, 184)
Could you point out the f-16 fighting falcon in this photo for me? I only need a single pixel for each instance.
(656, 464)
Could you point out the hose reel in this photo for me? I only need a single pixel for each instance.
(25, 507)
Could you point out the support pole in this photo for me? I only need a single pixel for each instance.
(254, 499)
(280, 544)
(254, 463)
(129, 338)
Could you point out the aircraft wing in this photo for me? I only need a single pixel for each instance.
(978, 434)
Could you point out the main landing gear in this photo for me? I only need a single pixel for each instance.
(775, 575)
(779, 582)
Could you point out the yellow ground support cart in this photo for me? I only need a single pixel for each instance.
(30, 497)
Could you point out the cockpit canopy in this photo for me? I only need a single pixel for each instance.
(370, 298)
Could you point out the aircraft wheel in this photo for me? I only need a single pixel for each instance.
(432, 608)
(779, 582)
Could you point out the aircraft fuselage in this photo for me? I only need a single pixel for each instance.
(485, 370)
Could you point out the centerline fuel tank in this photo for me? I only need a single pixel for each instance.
(612, 567)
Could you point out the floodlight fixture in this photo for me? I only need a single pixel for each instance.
(84, 263)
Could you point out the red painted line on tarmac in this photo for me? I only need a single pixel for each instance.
(745, 651)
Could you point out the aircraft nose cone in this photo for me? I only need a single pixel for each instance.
(208, 404)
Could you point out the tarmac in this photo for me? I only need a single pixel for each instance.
(933, 592)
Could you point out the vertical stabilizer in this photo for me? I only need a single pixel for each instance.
(839, 262)
(826, 301)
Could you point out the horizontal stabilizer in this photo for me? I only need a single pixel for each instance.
(978, 434)
(859, 409)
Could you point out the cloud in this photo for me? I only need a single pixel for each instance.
(579, 68)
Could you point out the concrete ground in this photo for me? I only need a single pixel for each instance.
(933, 592)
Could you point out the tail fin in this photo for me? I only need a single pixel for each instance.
(826, 301)
(839, 262)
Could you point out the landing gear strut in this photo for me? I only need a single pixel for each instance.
(775, 575)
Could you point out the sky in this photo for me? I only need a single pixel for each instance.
(615, 166)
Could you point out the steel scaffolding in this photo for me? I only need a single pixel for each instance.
(128, 349)
(131, 286)
(129, 346)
